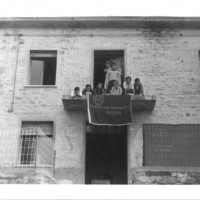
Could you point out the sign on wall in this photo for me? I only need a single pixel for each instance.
(109, 109)
(171, 145)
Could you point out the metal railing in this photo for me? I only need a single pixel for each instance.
(26, 148)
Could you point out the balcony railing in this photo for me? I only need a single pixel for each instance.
(139, 103)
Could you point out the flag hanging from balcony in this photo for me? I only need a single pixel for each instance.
(109, 109)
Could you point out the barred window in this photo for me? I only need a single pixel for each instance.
(36, 143)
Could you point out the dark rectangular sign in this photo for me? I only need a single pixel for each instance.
(172, 145)
(109, 109)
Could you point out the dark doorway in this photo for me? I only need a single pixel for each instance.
(100, 58)
(106, 154)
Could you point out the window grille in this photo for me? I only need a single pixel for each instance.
(36, 147)
(30, 146)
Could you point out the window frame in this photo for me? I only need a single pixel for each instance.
(54, 52)
(111, 49)
(20, 162)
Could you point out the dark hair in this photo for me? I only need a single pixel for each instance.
(76, 88)
(108, 61)
(88, 85)
(128, 77)
(99, 83)
(113, 64)
(137, 79)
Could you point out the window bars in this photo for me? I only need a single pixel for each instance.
(29, 147)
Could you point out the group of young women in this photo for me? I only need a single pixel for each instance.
(112, 84)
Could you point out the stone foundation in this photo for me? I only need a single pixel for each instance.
(26, 177)
(170, 177)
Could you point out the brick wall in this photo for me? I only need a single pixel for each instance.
(166, 61)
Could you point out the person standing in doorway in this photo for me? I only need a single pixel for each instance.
(108, 67)
(112, 76)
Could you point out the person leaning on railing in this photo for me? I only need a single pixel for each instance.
(116, 89)
(128, 86)
(76, 93)
(99, 89)
(87, 90)
(138, 88)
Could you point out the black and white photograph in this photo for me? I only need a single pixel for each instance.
(100, 94)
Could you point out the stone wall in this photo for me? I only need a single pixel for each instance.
(166, 177)
(167, 62)
(26, 176)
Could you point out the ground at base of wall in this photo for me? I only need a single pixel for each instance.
(29, 176)
(25, 176)
(170, 178)
(25, 179)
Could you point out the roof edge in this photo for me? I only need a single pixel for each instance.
(99, 18)
(100, 22)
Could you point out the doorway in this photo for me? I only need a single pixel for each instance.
(100, 59)
(106, 154)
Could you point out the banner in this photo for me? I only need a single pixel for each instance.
(109, 109)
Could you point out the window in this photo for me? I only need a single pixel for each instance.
(171, 145)
(36, 143)
(43, 67)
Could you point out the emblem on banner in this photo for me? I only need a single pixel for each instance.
(98, 100)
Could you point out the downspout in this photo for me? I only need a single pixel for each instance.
(15, 75)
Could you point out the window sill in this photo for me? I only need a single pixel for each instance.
(40, 86)
(32, 166)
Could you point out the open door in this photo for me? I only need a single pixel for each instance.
(100, 59)
(106, 154)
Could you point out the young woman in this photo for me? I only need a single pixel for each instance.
(87, 90)
(99, 89)
(128, 86)
(138, 87)
(116, 89)
(112, 76)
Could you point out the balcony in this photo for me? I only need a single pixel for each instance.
(139, 103)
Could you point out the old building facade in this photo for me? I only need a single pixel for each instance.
(162, 52)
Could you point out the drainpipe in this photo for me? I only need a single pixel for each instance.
(15, 75)
(36, 148)
(54, 163)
